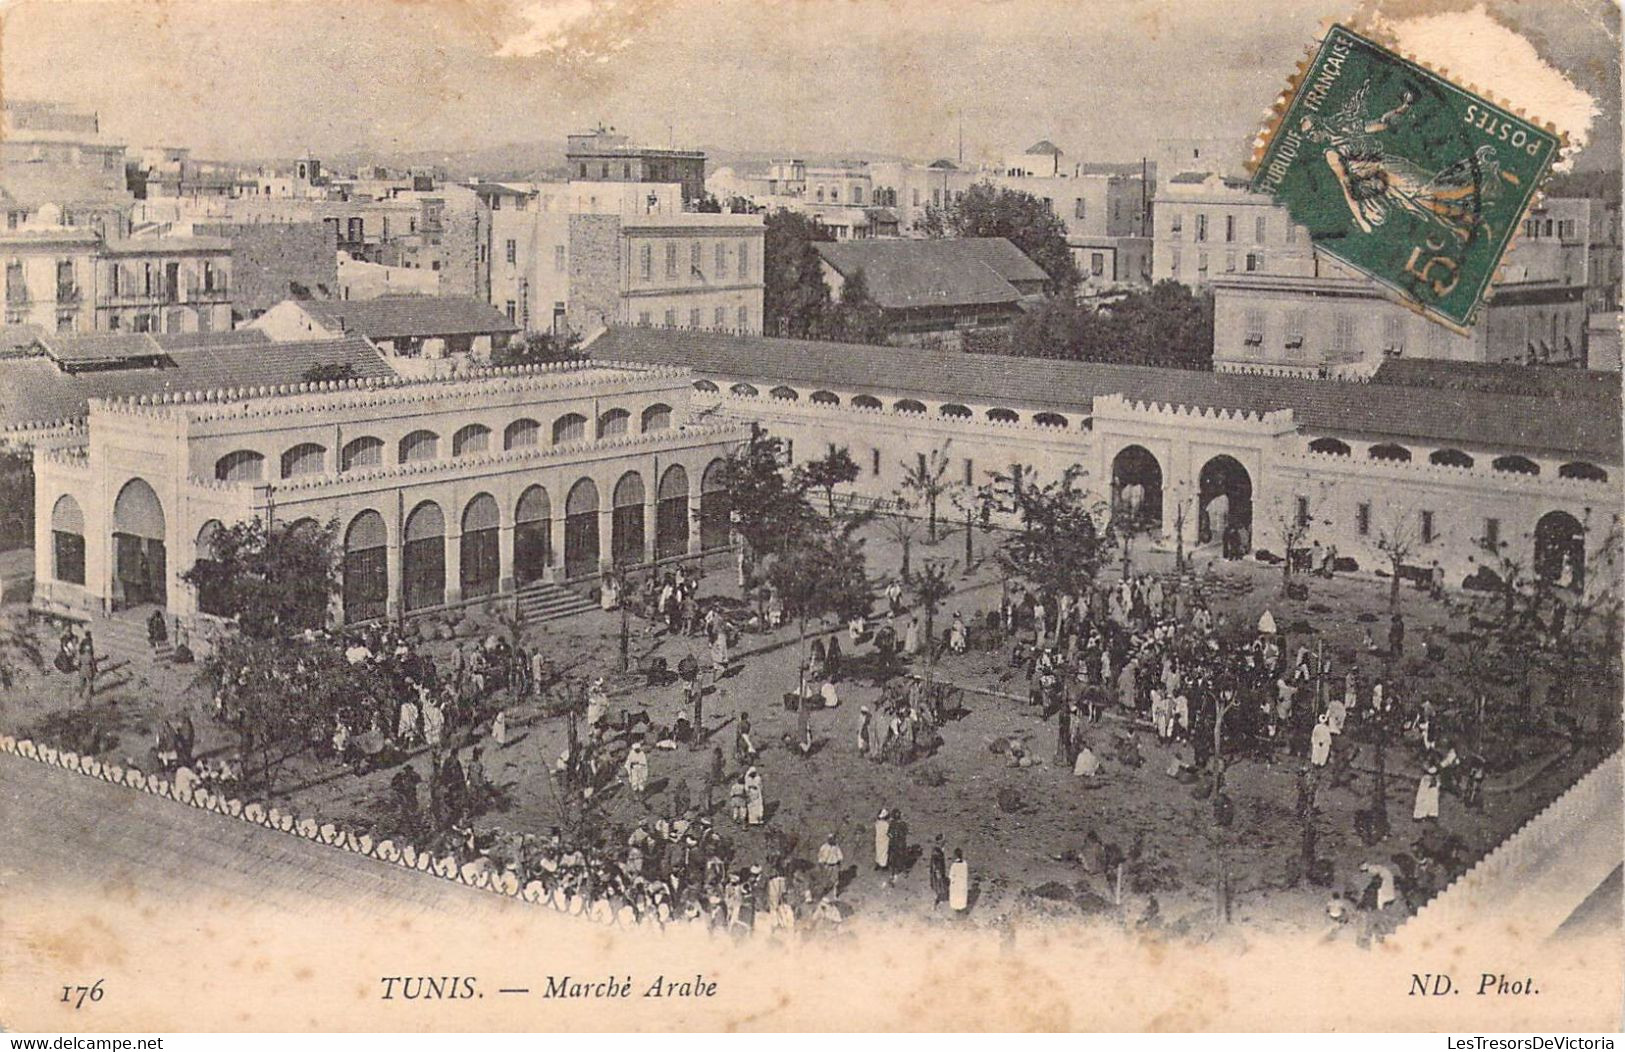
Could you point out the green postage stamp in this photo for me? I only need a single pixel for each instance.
(1403, 175)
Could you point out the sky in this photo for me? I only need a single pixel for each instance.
(1105, 79)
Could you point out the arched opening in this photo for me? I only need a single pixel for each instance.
(909, 405)
(865, 402)
(419, 445)
(1450, 458)
(1050, 420)
(363, 452)
(1516, 465)
(1560, 549)
(68, 541)
(241, 465)
(1389, 451)
(705, 387)
(532, 535)
(826, 398)
(626, 528)
(523, 433)
(744, 390)
(657, 418)
(1581, 469)
(785, 394)
(423, 557)
(671, 514)
(210, 599)
(471, 439)
(366, 568)
(1333, 447)
(613, 422)
(715, 508)
(571, 427)
(1226, 503)
(1137, 489)
(1000, 415)
(140, 567)
(480, 567)
(955, 410)
(581, 530)
(307, 458)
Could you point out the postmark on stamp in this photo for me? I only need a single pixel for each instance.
(1400, 174)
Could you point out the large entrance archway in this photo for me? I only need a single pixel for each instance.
(714, 508)
(140, 565)
(1137, 488)
(479, 560)
(1226, 500)
(1560, 549)
(627, 531)
(671, 514)
(366, 568)
(423, 557)
(581, 530)
(532, 535)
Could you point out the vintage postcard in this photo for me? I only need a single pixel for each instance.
(660, 515)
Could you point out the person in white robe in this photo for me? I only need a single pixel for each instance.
(1320, 742)
(406, 727)
(956, 635)
(753, 797)
(1386, 892)
(637, 768)
(1336, 715)
(1087, 765)
(499, 727)
(911, 638)
(434, 722)
(597, 702)
(959, 882)
(1427, 796)
(883, 840)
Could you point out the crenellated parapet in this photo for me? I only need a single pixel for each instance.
(1424, 473)
(1120, 407)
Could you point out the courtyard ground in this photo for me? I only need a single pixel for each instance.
(955, 792)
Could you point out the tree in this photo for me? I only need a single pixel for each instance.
(927, 480)
(899, 523)
(1031, 225)
(821, 575)
(539, 348)
(272, 582)
(855, 317)
(769, 504)
(795, 297)
(1056, 544)
(930, 588)
(1166, 325)
(19, 649)
(1398, 537)
(1293, 524)
(835, 468)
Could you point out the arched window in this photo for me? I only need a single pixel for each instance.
(705, 387)
(419, 445)
(242, 465)
(626, 527)
(746, 390)
(613, 422)
(1450, 458)
(366, 567)
(571, 427)
(1050, 420)
(1515, 464)
(363, 452)
(68, 541)
(479, 567)
(714, 506)
(909, 405)
(785, 394)
(1581, 469)
(826, 398)
(581, 529)
(1334, 447)
(523, 433)
(423, 557)
(474, 438)
(866, 402)
(1003, 416)
(532, 535)
(307, 458)
(956, 410)
(1389, 451)
(657, 418)
(671, 514)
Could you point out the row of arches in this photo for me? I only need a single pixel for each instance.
(365, 585)
(1511, 463)
(310, 458)
(954, 410)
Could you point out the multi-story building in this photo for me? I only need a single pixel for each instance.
(603, 156)
(1207, 226)
(52, 156)
(70, 279)
(911, 189)
(445, 491)
(1315, 326)
(1575, 240)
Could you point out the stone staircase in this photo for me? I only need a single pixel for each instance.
(540, 601)
(1541, 873)
(124, 640)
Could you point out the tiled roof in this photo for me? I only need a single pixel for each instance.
(1044, 146)
(37, 390)
(1539, 380)
(391, 317)
(19, 339)
(1586, 427)
(83, 348)
(947, 272)
(182, 341)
